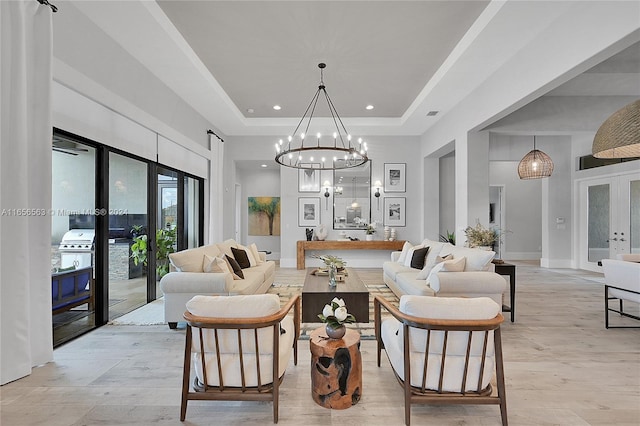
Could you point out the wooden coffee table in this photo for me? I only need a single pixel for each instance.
(316, 293)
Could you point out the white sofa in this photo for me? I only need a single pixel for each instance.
(188, 277)
(477, 279)
(622, 282)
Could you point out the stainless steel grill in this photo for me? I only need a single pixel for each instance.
(76, 248)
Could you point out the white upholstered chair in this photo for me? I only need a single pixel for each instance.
(622, 282)
(239, 346)
(448, 348)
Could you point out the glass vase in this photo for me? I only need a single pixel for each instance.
(332, 275)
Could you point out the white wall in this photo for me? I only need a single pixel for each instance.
(382, 149)
(447, 194)
(259, 183)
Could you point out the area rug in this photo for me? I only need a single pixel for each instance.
(153, 313)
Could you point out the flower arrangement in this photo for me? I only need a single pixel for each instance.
(334, 261)
(478, 235)
(335, 314)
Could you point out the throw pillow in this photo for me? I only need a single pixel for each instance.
(426, 271)
(405, 250)
(254, 249)
(407, 261)
(454, 265)
(252, 259)
(214, 264)
(418, 257)
(241, 257)
(233, 265)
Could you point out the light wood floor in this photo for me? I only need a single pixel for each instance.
(562, 368)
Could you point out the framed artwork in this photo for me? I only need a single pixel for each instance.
(395, 177)
(308, 211)
(309, 179)
(264, 215)
(395, 211)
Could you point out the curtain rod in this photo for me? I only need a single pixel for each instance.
(54, 9)
(211, 132)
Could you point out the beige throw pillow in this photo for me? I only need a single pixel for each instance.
(214, 264)
(454, 265)
(256, 254)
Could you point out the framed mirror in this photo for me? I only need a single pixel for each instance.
(352, 197)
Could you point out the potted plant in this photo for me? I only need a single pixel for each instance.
(479, 236)
(165, 240)
(335, 315)
(334, 264)
(449, 238)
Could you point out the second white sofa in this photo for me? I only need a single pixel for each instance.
(477, 277)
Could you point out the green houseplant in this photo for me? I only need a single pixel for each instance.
(165, 240)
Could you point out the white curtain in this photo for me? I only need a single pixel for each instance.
(25, 187)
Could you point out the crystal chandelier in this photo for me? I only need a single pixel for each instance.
(322, 152)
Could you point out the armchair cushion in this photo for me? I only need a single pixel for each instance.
(241, 306)
(392, 333)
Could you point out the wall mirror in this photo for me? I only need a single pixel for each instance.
(352, 197)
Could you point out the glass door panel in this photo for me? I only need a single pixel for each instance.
(73, 286)
(167, 221)
(599, 222)
(634, 216)
(128, 228)
(192, 211)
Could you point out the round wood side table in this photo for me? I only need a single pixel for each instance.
(336, 369)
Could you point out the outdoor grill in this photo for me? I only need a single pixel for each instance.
(76, 248)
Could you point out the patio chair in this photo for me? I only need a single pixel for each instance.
(240, 347)
(443, 350)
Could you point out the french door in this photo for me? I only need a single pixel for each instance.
(609, 218)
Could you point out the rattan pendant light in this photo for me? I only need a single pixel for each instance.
(535, 165)
(619, 135)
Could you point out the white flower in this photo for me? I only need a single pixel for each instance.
(327, 311)
(339, 302)
(341, 313)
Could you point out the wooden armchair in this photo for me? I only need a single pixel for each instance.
(240, 347)
(447, 347)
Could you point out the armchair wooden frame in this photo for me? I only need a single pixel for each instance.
(422, 395)
(262, 392)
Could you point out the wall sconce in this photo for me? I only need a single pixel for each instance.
(377, 184)
(326, 184)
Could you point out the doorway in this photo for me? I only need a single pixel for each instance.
(609, 218)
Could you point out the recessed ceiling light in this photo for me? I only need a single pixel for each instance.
(369, 107)
(263, 165)
(432, 113)
(250, 110)
(277, 107)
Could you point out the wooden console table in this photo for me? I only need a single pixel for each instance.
(303, 246)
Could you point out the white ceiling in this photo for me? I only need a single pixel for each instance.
(266, 53)
(404, 57)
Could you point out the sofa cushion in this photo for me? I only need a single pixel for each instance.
(192, 260)
(393, 268)
(240, 256)
(233, 265)
(225, 246)
(477, 260)
(407, 282)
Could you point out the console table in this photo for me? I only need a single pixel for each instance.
(303, 246)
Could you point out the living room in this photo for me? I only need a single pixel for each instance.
(506, 76)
